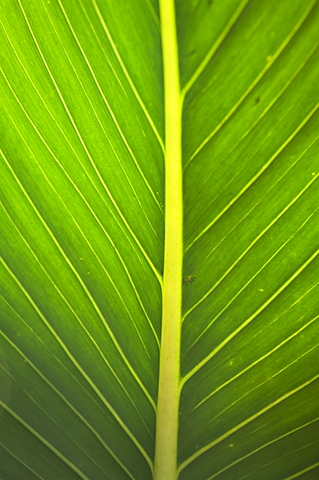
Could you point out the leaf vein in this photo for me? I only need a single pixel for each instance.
(256, 81)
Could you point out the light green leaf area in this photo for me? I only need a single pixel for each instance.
(110, 370)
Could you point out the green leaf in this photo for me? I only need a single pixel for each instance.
(159, 240)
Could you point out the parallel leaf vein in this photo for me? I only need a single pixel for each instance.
(257, 175)
(86, 290)
(246, 422)
(77, 365)
(256, 80)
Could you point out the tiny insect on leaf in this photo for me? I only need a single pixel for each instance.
(188, 280)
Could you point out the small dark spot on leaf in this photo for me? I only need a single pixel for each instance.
(191, 53)
(188, 280)
(257, 100)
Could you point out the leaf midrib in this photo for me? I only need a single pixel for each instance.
(165, 463)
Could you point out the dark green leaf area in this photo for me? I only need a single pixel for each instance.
(86, 351)
(66, 421)
(76, 381)
(28, 458)
(281, 442)
(267, 360)
(254, 374)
